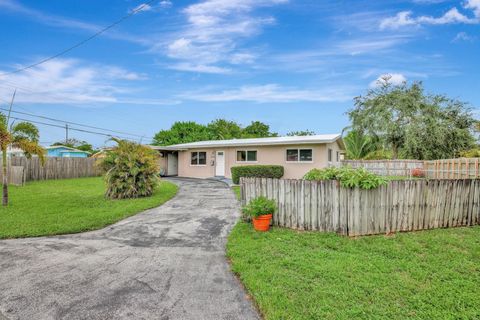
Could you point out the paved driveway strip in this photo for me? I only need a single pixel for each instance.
(165, 263)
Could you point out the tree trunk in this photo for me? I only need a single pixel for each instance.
(395, 152)
(5, 179)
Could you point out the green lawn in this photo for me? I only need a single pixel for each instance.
(69, 206)
(305, 275)
(236, 190)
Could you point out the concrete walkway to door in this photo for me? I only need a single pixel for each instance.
(165, 263)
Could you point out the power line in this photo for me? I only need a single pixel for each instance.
(70, 128)
(80, 43)
(77, 124)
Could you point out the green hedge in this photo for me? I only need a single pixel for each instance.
(256, 171)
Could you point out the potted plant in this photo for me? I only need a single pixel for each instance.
(261, 210)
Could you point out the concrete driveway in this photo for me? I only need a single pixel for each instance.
(165, 263)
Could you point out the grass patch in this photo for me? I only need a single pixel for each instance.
(68, 206)
(236, 190)
(306, 275)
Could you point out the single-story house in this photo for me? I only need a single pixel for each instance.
(205, 159)
(66, 152)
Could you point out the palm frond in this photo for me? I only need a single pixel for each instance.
(30, 148)
(25, 130)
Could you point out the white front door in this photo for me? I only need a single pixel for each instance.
(172, 164)
(220, 164)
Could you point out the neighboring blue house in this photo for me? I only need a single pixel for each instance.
(66, 152)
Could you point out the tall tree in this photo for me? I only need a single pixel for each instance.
(182, 132)
(21, 135)
(301, 133)
(258, 129)
(419, 125)
(221, 129)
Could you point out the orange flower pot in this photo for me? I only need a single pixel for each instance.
(262, 223)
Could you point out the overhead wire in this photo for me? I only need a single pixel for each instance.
(70, 128)
(82, 42)
(78, 44)
(78, 124)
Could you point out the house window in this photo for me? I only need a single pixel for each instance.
(198, 158)
(299, 155)
(330, 155)
(338, 156)
(246, 155)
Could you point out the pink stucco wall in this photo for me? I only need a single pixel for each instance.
(265, 155)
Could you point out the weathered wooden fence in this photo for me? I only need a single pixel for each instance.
(54, 168)
(460, 168)
(399, 206)
(15, 174)
(386, 167)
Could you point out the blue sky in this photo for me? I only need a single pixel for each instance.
(290, 63)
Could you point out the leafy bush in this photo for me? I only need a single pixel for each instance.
(131, 170)
(256, 171)
(379, 155)
(348, 177)
(472, 153)
(259, 206)
(330, 173)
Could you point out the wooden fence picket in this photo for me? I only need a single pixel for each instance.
(400, 206)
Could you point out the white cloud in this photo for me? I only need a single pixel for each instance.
(242, 58)
(473, 5)
(463, 36)
(273, 93)
(393, 78)
(149, 7)
(70, 81)
(142, 7)
(210, 41)
(166, 4)
(201, 68)
(452, 16)
(369, 45)
(68, 23)
(402, 19)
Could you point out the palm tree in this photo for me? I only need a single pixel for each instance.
(21, 135)
(358, 145)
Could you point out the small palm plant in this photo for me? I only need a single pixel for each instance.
(23, 136)
(131, 170)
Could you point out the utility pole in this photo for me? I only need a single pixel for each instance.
(66, 133)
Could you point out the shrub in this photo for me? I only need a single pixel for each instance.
(472, 153)
(256, 171)
(131, 170)
(348, 177)
(330, 173)
(418, 173)
(259, 206)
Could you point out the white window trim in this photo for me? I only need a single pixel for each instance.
(198, 165)
(298, 161)
(246, 156)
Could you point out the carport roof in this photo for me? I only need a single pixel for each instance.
(295, 140)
